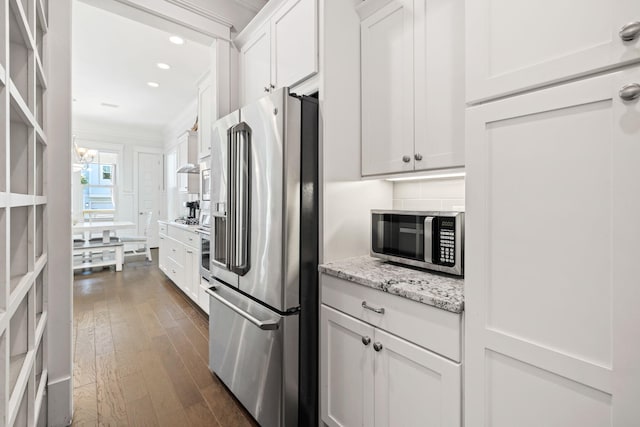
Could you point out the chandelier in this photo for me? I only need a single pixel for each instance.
(83, 156)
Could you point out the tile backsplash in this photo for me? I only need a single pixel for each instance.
(429, 195)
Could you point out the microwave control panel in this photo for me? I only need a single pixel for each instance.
(446, 232)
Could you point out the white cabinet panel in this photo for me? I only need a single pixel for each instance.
(205, 117)
(255, 66)
(387, 89)
(439, 84)
(414, 387)
(513, 46)
(347, 370)
(191, 273)
(294, 42)
(519, 394)
(551, 177)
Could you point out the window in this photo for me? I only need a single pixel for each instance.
(99, 187)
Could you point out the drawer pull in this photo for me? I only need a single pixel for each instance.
(375, 310)
(377, 346)
(366, 341)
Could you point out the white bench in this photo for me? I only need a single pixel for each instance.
(89, 250)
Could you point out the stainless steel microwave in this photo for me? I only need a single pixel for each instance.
(430, 240)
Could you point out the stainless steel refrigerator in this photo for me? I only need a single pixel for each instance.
(263, 321)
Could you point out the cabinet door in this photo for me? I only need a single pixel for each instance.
(387, 89)
(347, 370)
(183, 158)
(413, 386)
(513, 45)
(439, 82)
(191, 274)
(205, 118)
(255, 66)
(162, 253)
(552, 177)
(294, 32)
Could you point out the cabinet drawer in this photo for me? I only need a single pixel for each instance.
(430, 327)
(175, 251)
(174, 271)
(185, 236)
(162, 227)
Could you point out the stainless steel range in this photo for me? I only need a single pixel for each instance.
(264, 256)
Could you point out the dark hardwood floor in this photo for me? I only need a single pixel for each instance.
(141, 352)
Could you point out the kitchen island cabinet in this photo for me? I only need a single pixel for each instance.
(387, 359)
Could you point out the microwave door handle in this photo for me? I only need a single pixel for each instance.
(428, 239)
(242, 208)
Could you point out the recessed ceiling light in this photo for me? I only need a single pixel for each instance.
(163, 66)
(176, 40)
(153, 84)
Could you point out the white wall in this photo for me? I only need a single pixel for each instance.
(429, 195)
(347, 201)
(174, 199)
(128, 141)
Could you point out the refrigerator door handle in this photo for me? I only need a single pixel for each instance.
(231, 190)
(242, 201)
(264, 324)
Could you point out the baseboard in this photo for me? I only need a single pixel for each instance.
(60, 402)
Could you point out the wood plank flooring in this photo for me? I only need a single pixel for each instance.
(141, 354)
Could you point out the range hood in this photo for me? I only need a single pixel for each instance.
(189, 168)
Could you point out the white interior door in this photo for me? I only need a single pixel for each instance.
(149, 193)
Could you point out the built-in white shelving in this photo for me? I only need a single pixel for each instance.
(23, 212)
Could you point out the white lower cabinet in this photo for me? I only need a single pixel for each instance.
(373, 378)
(179, 259)
(347, 369)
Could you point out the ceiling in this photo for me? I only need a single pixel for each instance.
(113, 59)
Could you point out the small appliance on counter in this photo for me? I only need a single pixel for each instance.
(193, 206)
(430, 240)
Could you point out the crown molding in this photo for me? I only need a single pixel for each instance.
(205, 13)
(252, 5)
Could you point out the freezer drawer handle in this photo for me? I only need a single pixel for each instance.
(267, 325)
(375, 310)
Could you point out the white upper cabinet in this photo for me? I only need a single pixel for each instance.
(412, 56)
(387, 89)
(515, 45)
(205, 116)
(294, 31)
(283, 51)
(187, 153)
(255, 66)
(439, 84)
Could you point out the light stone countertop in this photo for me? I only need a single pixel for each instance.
(436, 289)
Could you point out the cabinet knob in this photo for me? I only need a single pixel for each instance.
(267, 89)
(630, 31)
(417, 156)
(271, 86)
(630, 92)
(406, 159)
(366, 341)
(377, 346)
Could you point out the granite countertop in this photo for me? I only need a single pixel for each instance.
(192, 228)
(435, 289)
